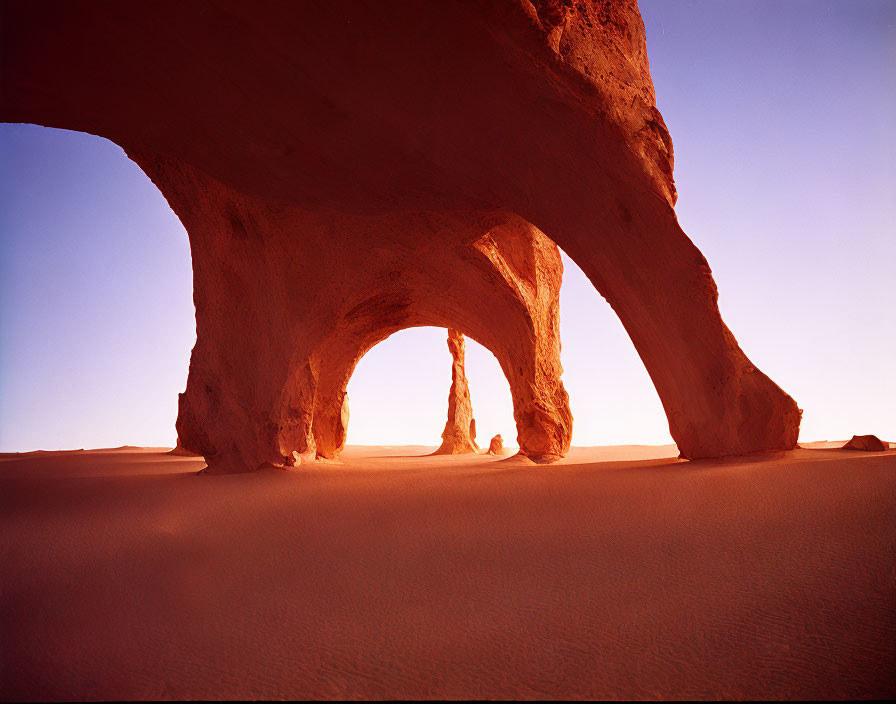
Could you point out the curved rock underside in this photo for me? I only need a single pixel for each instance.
(459, 436)
(348, 169)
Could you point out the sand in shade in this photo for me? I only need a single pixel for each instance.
(620, 572)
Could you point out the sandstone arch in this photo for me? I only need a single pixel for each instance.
(284, 313)
(501, 290)
(543, 112)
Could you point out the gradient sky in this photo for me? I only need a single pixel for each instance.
(782, 115)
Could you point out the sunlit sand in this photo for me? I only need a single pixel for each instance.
(619, 572)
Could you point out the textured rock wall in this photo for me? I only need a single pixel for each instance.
(286, 125)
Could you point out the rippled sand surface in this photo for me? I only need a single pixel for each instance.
(622, 572)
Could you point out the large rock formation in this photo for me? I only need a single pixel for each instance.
(285, 309)
(496, 446)
(347, 169)
(459, 436)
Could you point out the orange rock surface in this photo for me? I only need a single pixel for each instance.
(496, 446)
(347, 169)
(868, 443)
(459, 436)
(297, 351)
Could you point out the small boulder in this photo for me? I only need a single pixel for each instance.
(496, 446)
(868, 443)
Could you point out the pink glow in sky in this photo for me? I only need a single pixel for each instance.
(782, 117)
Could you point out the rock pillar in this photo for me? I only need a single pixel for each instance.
(459, 436)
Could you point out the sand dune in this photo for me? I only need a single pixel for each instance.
(620, 572)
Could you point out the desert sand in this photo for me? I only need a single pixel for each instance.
(618, 572)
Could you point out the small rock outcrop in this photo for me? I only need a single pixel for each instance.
(496, 446)
(459, 436)
(868, 443)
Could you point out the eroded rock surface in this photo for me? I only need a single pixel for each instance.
(341, 180)
(496, 446)
(868, 443)
(459, 436)
(296, 308)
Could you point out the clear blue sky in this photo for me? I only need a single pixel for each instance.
(782, 115)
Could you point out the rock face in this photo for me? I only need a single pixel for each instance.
(341, 180)
(868, 443)
(496, 446)
(459, 436)
(297, 350)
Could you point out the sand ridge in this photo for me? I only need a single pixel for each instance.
(621, 572)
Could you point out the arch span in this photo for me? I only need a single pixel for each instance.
(501, 290)
(545, 111)
(301, 312)
(400, 390)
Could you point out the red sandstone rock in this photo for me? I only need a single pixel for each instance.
(298, 351)
(496, 446)
(868, 443)
(459, 436)
(343, 180)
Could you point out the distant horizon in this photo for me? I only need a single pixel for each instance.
(785, 163)
(512, 449)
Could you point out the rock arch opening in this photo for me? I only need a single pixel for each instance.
(95, 296)
(399, 392)
(611, 395)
